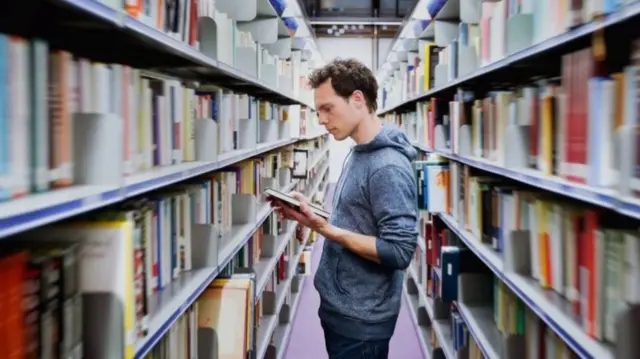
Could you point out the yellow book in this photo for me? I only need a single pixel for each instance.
(547, 134)
(427, 66)
(543, 243)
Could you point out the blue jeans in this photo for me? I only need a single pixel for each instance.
(341, 347)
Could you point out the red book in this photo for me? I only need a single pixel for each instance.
(581, 70)
(588, 267)
(15, 282)
(429, 235)
(193, 23)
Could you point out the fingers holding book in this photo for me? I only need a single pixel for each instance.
(298, 210)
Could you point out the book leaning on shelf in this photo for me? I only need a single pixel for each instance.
(225, 318)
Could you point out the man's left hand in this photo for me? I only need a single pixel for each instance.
(304, 216)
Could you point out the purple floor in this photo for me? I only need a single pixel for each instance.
(307, 340)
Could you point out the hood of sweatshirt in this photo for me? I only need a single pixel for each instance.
(390, 136)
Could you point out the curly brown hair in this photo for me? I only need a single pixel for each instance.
(346, 77)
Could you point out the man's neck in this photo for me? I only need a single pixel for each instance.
(367, 130)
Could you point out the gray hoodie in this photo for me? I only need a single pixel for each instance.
(376, 196)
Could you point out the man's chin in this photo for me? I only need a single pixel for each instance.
(338, 137)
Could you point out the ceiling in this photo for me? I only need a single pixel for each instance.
(357, 18)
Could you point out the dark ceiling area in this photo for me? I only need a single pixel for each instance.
(356, 30)
(357, 18)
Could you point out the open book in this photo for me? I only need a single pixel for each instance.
(270, 192)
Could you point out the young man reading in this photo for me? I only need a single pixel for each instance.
(372, 233)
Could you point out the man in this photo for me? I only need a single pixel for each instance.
(372, 234)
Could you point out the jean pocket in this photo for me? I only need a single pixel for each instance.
(378, 349)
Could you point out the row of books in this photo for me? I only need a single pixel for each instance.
(275, 255)
(272, 308)
(464, 311)
(482, 33)
(67, 301)
(572, 258)
(567, 128)
(56, 103)
(209, 26)
(572, 135)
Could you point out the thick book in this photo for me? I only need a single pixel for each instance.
(270, 192)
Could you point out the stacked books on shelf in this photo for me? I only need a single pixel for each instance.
(126, 280)
(132, 168)
(529, 229)
(247, 39)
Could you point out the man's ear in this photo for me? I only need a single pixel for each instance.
(358, 99)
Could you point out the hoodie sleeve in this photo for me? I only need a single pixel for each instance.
(392, 195)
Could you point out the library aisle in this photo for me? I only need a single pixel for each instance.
(307, 340)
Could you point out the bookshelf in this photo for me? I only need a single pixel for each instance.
(135, 152)
(524, 114)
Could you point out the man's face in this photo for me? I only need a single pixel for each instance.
(339, 116)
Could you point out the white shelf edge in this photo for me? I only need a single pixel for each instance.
(289, 326)
(446, 344)
(436, 326)
(40, 209)
(265, 336)
(263, 275)
(313, 136)
(475, 329)
(602, 197)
